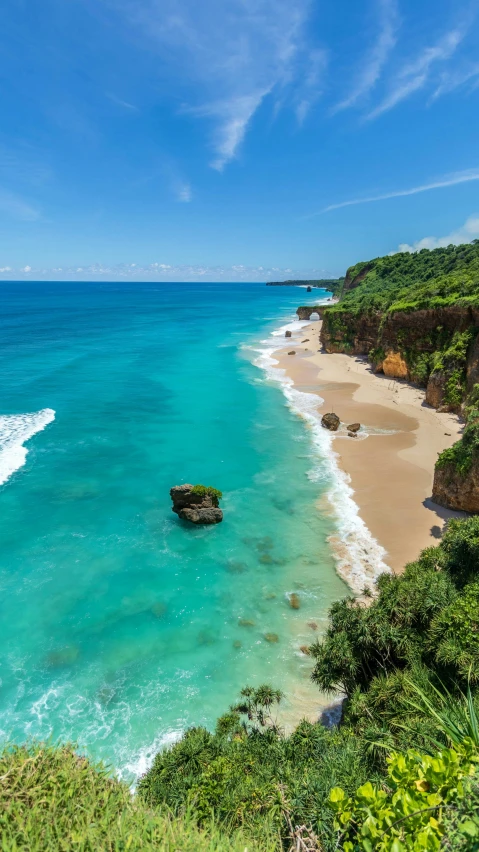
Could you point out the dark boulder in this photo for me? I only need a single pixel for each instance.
(354, 427)
(287, 333)
(330, 421)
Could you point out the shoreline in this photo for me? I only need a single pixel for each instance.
(390, 465)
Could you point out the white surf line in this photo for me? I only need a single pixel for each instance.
(359, 556)
(15, 430)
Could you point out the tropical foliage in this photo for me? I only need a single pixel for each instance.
(208, 491)
(395, 660)
(53, 800)
(413, 281)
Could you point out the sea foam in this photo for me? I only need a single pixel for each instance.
(359, 557)
(15, 430)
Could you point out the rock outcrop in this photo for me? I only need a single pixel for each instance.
(354, 427)
(435, 389)
(386, 338)
(198, 508)
(330, 421)
(456, 490)
(304, 311)
(287, 333)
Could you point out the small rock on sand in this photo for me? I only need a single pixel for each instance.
(353, 434)
(292, 352)
(354, 427)
(305, 650)
(330, 421)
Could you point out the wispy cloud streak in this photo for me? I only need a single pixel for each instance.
(229, 56)
(414, 75)
(451, 180)
(378, 56)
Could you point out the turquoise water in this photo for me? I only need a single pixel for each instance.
(120, 625)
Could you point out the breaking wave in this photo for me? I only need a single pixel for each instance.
(359, 557)
(15, 430)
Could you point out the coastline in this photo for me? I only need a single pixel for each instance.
(390, 465)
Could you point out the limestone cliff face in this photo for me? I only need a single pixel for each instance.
(457, 490)
(424, 347)
(395, 342)
(394, 366)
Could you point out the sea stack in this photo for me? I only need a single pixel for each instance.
(196, 503)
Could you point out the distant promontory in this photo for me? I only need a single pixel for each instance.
(331, 284)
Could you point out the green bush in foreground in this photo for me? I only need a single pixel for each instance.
(52, 800)
(409, 814)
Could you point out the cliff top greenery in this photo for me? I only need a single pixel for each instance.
(411, 281)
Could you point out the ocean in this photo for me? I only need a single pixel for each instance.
(121, 625)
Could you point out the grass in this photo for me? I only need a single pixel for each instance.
(51, 799)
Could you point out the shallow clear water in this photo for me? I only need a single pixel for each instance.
(119, 624)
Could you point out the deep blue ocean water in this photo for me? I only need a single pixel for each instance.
(119, 624)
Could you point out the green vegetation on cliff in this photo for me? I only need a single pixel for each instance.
(410, 282)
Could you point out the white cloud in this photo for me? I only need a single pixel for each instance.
(415, 74)
(453, 80)
(228, 56)
(26, 269)
(378, 56)
(448, 180)
(465, 234)
(185, 194)
(5, 268)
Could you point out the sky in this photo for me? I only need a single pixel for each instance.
(234, 140)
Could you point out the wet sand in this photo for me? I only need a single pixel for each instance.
(391, 462)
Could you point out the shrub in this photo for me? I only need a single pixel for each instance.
(208, 491)
(410, 813)
(52, 800)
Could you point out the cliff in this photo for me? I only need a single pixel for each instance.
(437, 348)
(416, 317)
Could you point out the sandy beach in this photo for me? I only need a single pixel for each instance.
(391, 462)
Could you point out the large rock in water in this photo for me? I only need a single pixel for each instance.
(196, 508)
(330, 421)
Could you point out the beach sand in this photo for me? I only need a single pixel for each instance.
(391, 472)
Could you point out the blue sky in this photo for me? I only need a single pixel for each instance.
(234, 139)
